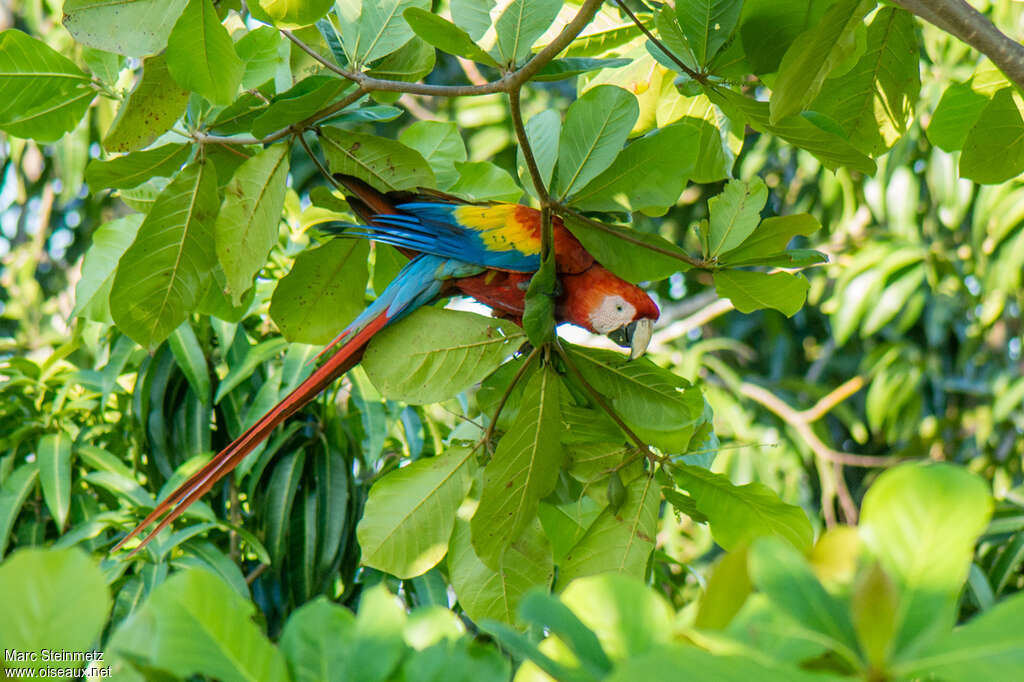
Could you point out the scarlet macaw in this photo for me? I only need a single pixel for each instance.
(489, 252)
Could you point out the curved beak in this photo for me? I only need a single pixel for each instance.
(636, 336)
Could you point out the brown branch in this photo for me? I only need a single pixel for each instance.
(838, 395)
(961, 20)
(316, 161)
(507, 83)
(802, 425)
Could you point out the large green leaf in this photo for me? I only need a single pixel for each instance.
(109, 242)
(596, 127)
(522, 470)
(830, 148)
(163, 274)
(134, 28)
(707, 24)
(994, 149)
(813, 55)
(13, 493)
(738, 514)
(543, 131)
(385, 164)
(445, 35)
(55, 600)
(150, 110)
(371, 29)
(299, 102)
(289, 13)
(628, 617)
(42, 93)
(247, 224)
(201, 56)
(873, 102)
(441, 146)
(409, 513)
(988, 647)
(314, 641)
(131, 170)
(648, 175)
(679, 663)
(633, 255)
(485, 181)
(485, 593)
(195, 623)
(434, 354)
(955, 116)
(750, 291)
(906, 523)
(772, 236)
(323, 292)
(781, 572)
(519, 26)
(659, 406)
(735, 214)
(620, 540)
(54, 454)
(768, 27)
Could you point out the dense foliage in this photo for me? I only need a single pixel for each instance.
(814, 474)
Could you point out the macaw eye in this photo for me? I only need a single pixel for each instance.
(619, 307)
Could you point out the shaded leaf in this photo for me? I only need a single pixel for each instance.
(201, 56)
(385, 164)
(149, 111)
(750, 291)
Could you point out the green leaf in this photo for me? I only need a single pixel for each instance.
(54, 453)
(750, 291)
(778, 570)
(539, 308)
(619, 541)
(441, 146)
(625, 252)
(831, 149)
(873, 102)
(707, 24)
(134, 28)
(768, 27)
(560, 69)
(659, 406)
(596, 127)
(289, 13)
(375, 113)
(371, 29)
(486, 593)
(484, 181)
(385, 164)
(57, 600)
(254, 357)
(13, 493)
(194, 623)
(163, 274)
(988, 647)
(547, 612)
(42, 93)
(434, 354)
(188, 354)
(445, 35)
(813, 55)
(994, 148)
(316, 641)
(648, 175)
(150, 110)
(793, 258)
(473, 16)
(565, 524)
(410, 63)
(410, 513)
(771, 237)
(678, 663)
(739, 514)
(260, 51)
(299, 102)
(130, 170)
(726, 591)
(735, 214)
(201, 56)
(522, 470)
(906, 524)
(323, 292)
(955, 116)
(521, 23)
(247, 224)
(109, 242)
(543, 132)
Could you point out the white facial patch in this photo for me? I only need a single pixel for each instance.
(613, 313)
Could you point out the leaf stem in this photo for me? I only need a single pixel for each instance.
(489, 433)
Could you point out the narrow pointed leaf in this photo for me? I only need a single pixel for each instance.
(54, 453)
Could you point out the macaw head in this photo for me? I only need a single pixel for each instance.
(603, 303)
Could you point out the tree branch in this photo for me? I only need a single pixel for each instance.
(961, 20)
(801, 423)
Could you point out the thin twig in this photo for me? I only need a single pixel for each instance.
(846, 502)
(802, 426)
(699, 77)
(313, 157)
(600, 402)
(527, 149)
(489, 433)
(838, 395)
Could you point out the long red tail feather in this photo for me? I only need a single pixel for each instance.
(227, 459)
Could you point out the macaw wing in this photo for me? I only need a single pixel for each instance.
(501, 236)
